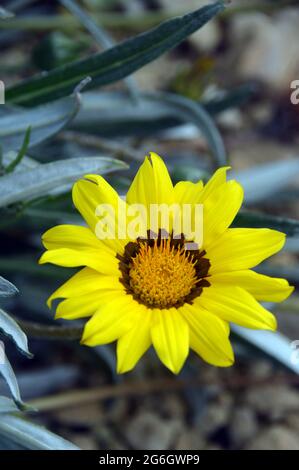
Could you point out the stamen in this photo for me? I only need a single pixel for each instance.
(161, 276)
(161, 273)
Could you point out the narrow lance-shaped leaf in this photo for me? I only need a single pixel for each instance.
(27, 185)
(273, 344)
(10, 328)
(115, 63)
(259, 220)
(44, 121)
(5, 14)
(7, 289)
(190, 111)
(99, 34)
(31, 436)
(21, 153)
(291, 273)
(263, 181)
(9, 376)
(115, 114)
(27, 163)
(7, 406)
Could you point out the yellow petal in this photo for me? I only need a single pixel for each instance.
(111, 321)
(170, 337)
(209, 336)
(133, 344)
(218, 178)
(220, 209)
(243, 248)
(266, 288)
(85, 305)
(92, 193)
(152, 183)
(70, 236)
(221, 202)
(100, 260)
(84, 282)
(186, 192)
(234, 304)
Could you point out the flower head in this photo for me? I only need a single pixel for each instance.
(156, 283)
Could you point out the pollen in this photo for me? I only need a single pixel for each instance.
(161, 275)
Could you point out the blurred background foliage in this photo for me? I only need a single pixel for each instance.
(91, 87)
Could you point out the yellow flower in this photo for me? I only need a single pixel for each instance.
(159, 290)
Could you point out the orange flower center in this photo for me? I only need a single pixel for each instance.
(162, 276)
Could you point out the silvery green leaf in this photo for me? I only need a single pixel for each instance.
(46, 380)
(263, 181)
(7, 405)
(21, 153)
(10, 328)
(292, 244)
(4, 14)
(27, 163)
(274, 344)
(44, 121)
(7, 289)
(114, 113)
(7, 444)
(43, 179)
(31, 436)
(9, 376)
(190, 111)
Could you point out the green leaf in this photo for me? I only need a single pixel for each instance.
(292, 243)
(7, 406)
(45, 121)
(21, 154)
(291, 273)
(115, 63)
(7, 289)
(5, 14)
(43, 179)
(10, 328)
(27, 163)
(271, 343)
(261, 182)
(113, 113)
(31, 436)
(258, 220)
(99, 34)
(9, 376)
(190, 111)
(235, 98)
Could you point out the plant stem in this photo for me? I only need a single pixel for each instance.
(137, 388)
(38, 330)
(28, 266)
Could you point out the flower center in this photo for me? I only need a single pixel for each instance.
(162, 273)
(161, 276)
